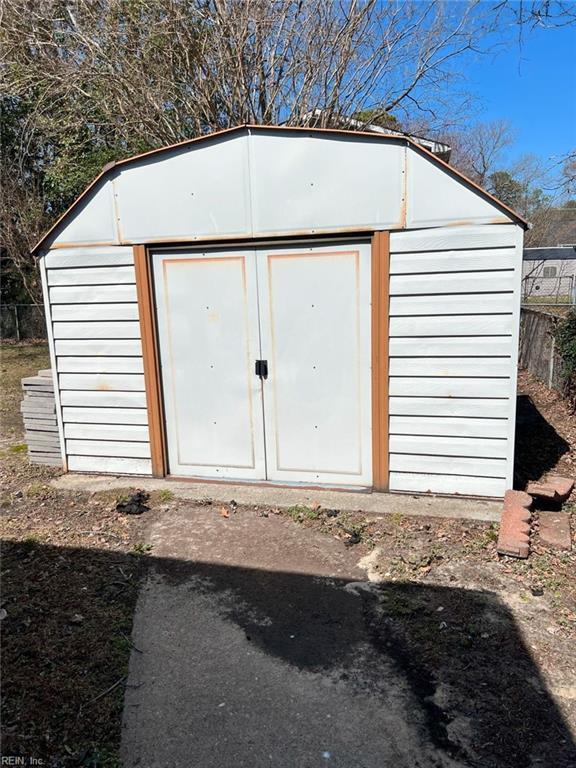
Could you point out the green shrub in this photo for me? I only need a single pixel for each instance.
(565, 337)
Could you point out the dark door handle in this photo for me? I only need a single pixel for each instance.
(261, 368)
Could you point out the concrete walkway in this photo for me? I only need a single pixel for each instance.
(282, 497)
(254, 650)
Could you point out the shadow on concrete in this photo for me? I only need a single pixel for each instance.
(242, 667)
(538, 445)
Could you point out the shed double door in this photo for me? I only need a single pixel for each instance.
(265, 362)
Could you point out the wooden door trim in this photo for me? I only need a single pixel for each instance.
(380, 359)
(151, 360)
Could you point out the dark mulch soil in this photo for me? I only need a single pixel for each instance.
(71, 566)
(545, 432)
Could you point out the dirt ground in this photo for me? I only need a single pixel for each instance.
(71, 566)
(545, 432)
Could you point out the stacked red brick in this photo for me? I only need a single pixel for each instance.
(514, 537)
(553, 527)
(39, 413)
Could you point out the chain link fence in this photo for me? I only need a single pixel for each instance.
(549, 291)
(22, 322)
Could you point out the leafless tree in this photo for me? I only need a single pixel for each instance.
(539, 13)
(169, 69)
(101, 79)
(478, 149)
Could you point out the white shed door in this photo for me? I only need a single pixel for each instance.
(303, 310)
(315, 324)
(207, 308)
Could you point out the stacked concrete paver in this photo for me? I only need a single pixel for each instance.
(39, 413)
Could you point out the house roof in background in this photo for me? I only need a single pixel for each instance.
(557, 228)
(438, 148)
(561, 252)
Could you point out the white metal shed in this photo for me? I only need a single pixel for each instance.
(287, 305)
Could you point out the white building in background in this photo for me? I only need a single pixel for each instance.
(549, 273)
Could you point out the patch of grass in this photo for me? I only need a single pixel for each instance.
(20, 448)
(113, 496)
(31, 542)
(165, 494)
(140, 548)
(36, 489)
(486, 537)
(548, 574)
(94, 756)
(122, 644)
(357, 531)
(399, 604)
(300, 512)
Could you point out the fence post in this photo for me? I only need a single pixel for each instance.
(16, 322)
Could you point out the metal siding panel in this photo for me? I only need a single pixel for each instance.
(435, 197)
(455, 325)
(92, 294)
(454, 238)
(89, 257)
(98, 380)
(106, 399)
(451, 261)
(73, 415)
(450, 406)
(449, 426)
(447, 484)
(57, 408)
(422, 386)
(103, 382)
(107, 465)
(111, 330)
(91, 276)
(108, 448)
(122, 432)
(93, 220)
(455, 346)
(99, 347)
(77, 312)
(451, 465)
(458, 282)
(458, 304)
(88, 364)
(456, 360)
(449, 446)
(189, 193)
(450, 366)
(307, 183)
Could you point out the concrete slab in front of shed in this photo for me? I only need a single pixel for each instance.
(254, 650)
(282, 497)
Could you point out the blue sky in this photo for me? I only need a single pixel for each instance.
(534, 88)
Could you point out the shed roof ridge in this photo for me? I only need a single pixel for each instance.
(249, 127)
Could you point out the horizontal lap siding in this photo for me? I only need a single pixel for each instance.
(454, 296)
(98, 350)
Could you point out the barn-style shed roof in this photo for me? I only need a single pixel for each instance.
(263, 181)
